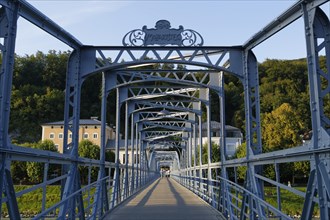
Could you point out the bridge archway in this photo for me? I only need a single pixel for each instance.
(88, 60)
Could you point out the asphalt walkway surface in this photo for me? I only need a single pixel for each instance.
(164, 199)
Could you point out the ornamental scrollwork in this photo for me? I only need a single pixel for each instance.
(134, 38)
(191, 38)
(163, 35)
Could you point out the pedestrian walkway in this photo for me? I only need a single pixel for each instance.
(164, 199)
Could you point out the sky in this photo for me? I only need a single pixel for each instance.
(220, 22)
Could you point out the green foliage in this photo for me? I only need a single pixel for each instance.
(18, 169)
(88, 150)
(110, 156)
(38, 97)
(285, 81)
(288, 171)
(215, 153)
(30, 203)
(35, 170)
(18, 172)
(39, 82)
(281, 128)
(38, 93)
(91, 98)
(241, 153)
(301, 169)
(234, 99)
(292, 204)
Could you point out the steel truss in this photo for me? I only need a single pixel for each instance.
(165, 121)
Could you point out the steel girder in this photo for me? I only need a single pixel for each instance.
(138, 93)
(173, 125)
(154, 116)
(43, 22)
(122, 94)
(206, 57)
(285, 19)
(150, 96)
(317, 28)
(86, 61)
(165, 158)
(8, 25)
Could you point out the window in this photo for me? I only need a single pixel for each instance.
(86, 136)
(230, 134)
(56, 145)
(51, 135)
(95, 135)
(233, 134)
(124, 161)
(60, 135)
(136, 158)
(70, 135)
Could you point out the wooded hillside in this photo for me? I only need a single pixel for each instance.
(39, 87)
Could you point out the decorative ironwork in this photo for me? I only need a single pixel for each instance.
(163, 35)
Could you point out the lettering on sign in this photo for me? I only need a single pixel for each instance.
(162, 35)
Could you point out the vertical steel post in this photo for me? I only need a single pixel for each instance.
(195, 156)
(225, 190)
(126, 183)
(132, 152)
(101, 196)
(140, 155)
(209, 148)
(278, 189)
(116, 188)
(317, 32)
(201, 181)
(9, 16)
(44, 188)
(253, 133)
(189, 160)
(71, 122)
(137, 158)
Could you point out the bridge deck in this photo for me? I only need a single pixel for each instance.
(164, 199)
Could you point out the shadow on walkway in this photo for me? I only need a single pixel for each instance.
(164, 199)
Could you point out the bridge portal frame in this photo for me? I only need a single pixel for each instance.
(316, 26)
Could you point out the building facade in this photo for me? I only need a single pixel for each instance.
(234, 136)
(89, 129)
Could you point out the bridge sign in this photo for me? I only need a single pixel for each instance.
(163, 35)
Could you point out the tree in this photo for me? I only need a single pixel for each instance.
(35, 170)
(18, 169)
(281, 128)
(88, 150)
(110, 156)
(285, 81)
(241, 153)
(215, 153)
(38, 93)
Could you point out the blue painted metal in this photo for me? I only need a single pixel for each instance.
(8, 22)
(163, 35)
(184, 97)
(317, 28)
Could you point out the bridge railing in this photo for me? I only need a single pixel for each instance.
(234, 199)
(49, 204)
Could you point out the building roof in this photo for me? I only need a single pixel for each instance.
(81, 122)
(111, 144)
(217, 125)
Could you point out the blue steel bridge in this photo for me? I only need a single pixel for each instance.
(162, 124)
